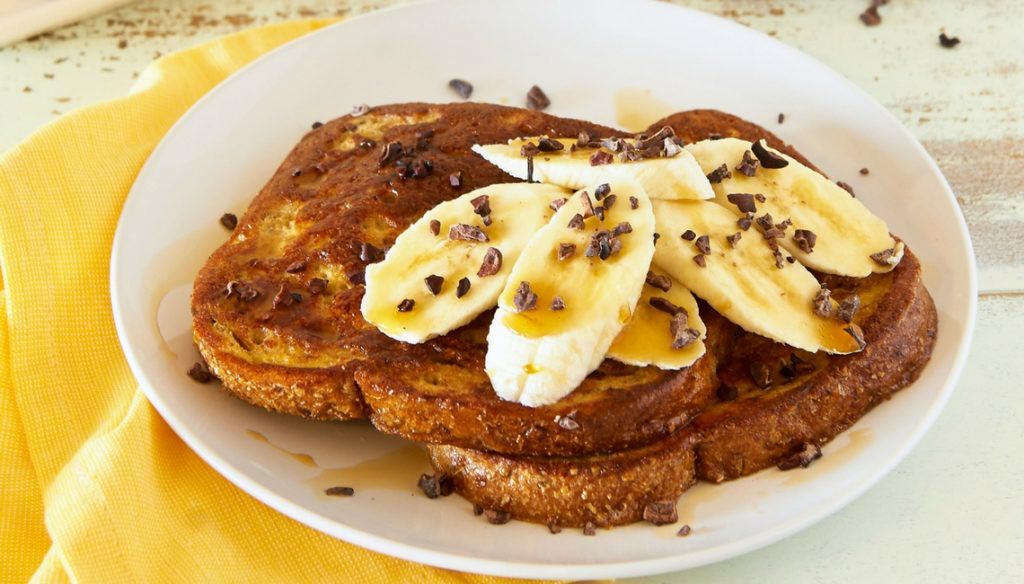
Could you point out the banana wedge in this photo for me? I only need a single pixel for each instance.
(662, 177)
(572, 291)
(451, 264)
(831, 231)
(744, 279)
(650, 337)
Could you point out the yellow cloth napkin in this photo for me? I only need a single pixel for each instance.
(94, 486)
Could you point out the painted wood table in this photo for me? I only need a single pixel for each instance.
(954, 509)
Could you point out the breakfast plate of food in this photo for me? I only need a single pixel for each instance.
(447, 283)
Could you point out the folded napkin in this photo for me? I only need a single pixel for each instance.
(94, 486)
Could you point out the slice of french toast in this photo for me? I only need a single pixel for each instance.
(275, 310)
(773, 403)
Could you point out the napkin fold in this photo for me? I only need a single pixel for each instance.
(94, 486)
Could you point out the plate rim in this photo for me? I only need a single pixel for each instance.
(463, 562)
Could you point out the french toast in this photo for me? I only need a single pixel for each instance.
(298, 348)
(276, 315)
(275, 310)
(747, 429)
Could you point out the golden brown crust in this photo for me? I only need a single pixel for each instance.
(605, 490)
(764, 426)
(617, 407)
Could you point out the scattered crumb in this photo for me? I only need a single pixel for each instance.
(48, 75)
(26, 89)
(122, 44)
(63, 99)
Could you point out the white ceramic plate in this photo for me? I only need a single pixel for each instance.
(583, 54)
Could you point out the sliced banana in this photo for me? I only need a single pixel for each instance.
(649, 337)
(446, 243)
(675, 177)
(742, 280)
(572, 291)
(845, 233)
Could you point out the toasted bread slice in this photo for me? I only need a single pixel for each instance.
(275, 310)
(617, 407)
(747, 430)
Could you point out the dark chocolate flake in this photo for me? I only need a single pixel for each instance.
(557, 303)
(660, 512)
(455, 179)
(703, 244)
(766, 157)
(682, 335)
(462, 288)
(566, 251)
(634, 202)
(536, 99)
(700, 260)
(684, 531)
(658, 281)
(781, 118)
(600, 157)
(622, 228)
(761, 374)
(589, 528)
(744, 223)
(199, 372)
(567, 422)
(549, 145)
(747, 166)
(497, 516)
(865, 171)
(665, 305)
(870, 17)
(887, 257)
(406, 305)
(948, 42)
(822, 302)
(491, 263)
(805, 240)
(557, 203)
(463, 88)
(317, 125)
(525, 299)
(434, 486)
(689, 235)
(609, 201)
(846, 187)
(389, 152)
(435, 226)
(743, 201)
(370, 254)
(848, 308)
(229, 220)
(481, 205)
(734, 238)
(554, 528)
(434, 283)
(802, 456)
(340, 491)
(317, 286)
(602, 191)
(588, 205)
(463, 232)
(577, 222)
(719, 174)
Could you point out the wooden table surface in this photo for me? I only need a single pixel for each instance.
(954, 509)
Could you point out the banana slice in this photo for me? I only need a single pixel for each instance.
(741, 277)
(405, 296)
(650, 337)
(570, 294)
(839, 234)
(675, 177)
